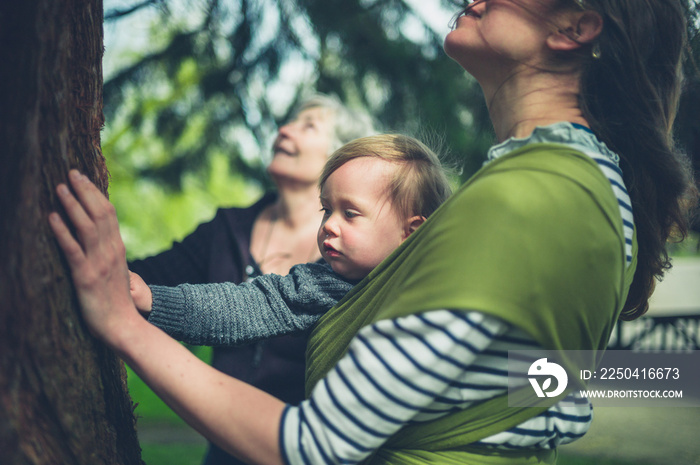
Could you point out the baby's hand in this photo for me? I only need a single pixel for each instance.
(140, 293)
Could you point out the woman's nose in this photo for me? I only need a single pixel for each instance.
(286, 130)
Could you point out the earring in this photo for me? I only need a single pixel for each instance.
(595, 51)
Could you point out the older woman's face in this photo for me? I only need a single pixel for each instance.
(302, 146)
(493, 36)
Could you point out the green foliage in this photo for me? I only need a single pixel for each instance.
(214, 79)
(151, 216)
(190, 115)
(690, 247)
(366, 51)
(166, 178)
(220, 76)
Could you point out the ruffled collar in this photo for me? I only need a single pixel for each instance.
(574, 135)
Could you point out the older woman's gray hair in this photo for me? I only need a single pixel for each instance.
(348, 124)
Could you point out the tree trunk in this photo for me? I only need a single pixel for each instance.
(63, 395)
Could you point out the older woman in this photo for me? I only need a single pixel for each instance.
(559, 235)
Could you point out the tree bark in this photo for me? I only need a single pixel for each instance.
(63, 395)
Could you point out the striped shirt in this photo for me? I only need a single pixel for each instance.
(415, 369)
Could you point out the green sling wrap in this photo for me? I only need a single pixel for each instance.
(534, 238)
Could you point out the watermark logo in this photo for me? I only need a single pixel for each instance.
(615, 378)
(542, 368)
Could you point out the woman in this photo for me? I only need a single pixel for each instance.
(542, 249)
(270, 236)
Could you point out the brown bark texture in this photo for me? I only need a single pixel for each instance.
(63, 395)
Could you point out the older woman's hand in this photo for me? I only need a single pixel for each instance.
(96, 256)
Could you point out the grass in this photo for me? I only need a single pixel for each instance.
(568, 459)
(172, 454)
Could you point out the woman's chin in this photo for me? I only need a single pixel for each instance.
(455, 49)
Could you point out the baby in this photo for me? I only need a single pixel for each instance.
(374, 191)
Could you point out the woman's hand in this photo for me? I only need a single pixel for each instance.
(97, 257)
(140, 293)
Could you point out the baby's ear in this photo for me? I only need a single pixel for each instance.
(412, 224)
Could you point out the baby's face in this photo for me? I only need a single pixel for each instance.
(359, 228)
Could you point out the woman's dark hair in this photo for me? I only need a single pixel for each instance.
(629, 96)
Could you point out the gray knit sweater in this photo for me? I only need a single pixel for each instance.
(225, 314)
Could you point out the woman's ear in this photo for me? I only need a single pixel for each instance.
(578, 29)
(412, 224)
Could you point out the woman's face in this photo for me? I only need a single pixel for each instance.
(492, 36)
(302, 147)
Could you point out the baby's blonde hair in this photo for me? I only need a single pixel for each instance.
(418, 187)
